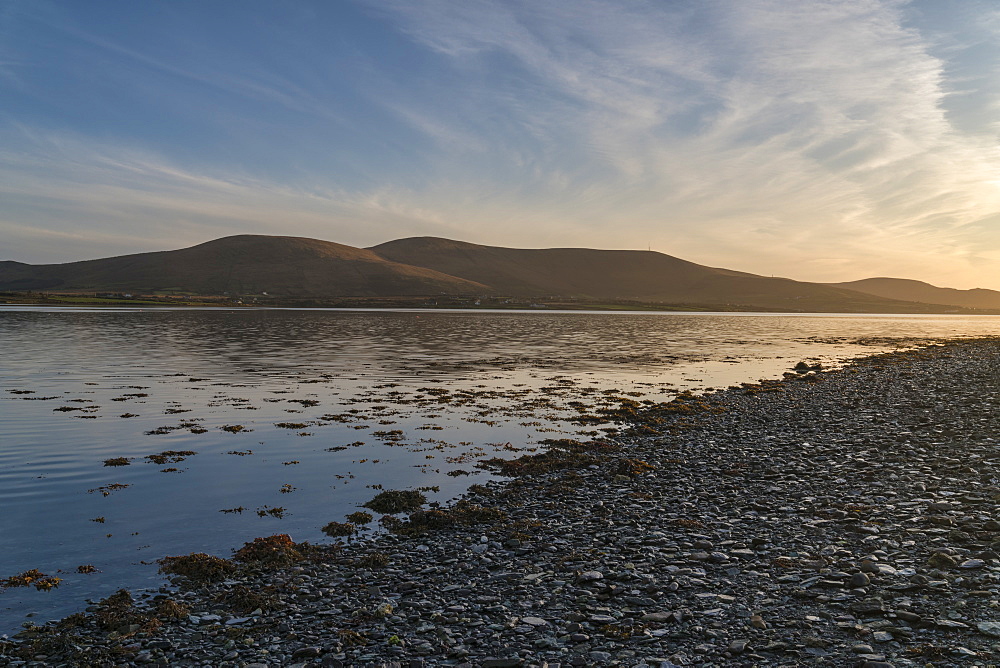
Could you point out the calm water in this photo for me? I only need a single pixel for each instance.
(298, 416)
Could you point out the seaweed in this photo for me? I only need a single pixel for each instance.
(374, 560)
(563, 453)
(234, 428)
(340, 529)
(463, 513)
(106, 490)
(197, 567)
(396, 501)
(118, 461)
(117, 613)
(170, 456)
(360, 517)
(243, 600)
(170, 609)
(272, 551)
(31, 578)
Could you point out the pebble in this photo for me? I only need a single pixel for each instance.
(534, 621)
(989, 628)
(859, 580)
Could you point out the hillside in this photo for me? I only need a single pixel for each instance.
(617, 274)
(296, 268)
(244, 264)
(918, 291)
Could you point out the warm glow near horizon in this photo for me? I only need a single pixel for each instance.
(821, 141)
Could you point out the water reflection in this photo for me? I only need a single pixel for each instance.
(450, 383)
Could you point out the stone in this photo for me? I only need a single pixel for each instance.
(942, 561)
(859, 580)
(534, 621)
(306, 653)
(738, 646)
(658, 617)
(868, 606)
(989, 628)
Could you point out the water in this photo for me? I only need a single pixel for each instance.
(397, 399)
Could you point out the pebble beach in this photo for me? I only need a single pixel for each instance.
(834, 518)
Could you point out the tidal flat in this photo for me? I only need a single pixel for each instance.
(837, 518)
(129, 437)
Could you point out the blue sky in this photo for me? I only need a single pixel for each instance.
(820, 140)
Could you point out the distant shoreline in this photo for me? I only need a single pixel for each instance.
(421, 303)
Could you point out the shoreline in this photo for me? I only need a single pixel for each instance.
(463, 303)
(776, 523)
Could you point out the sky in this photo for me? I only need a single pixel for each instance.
(821, 140)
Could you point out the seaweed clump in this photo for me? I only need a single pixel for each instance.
(34, 578)
(374, 560)
(633, 467)
(244, 600)
(360, 517)
(271, 551)
(170, 456)
(340, 529)
(197, 567)
(649, 417)
(563, 453)
(118, 461)
(62, 644)
(117, 613)
(463, 513)
(396, 501)
(168, 608)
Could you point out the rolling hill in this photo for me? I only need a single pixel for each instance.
(244, 264)
(616, 274)
(918, 291)
(300, 268)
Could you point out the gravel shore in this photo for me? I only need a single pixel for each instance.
(845, 518)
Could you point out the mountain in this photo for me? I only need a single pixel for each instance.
(918, 291)
(244, 264)
(633, 275)
(299, 268)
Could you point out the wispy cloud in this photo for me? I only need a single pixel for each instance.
(820, 140)
(771, 126)
(115, 199)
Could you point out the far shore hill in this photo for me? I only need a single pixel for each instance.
(429, 271)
